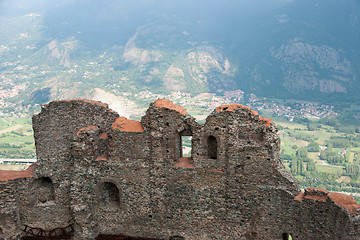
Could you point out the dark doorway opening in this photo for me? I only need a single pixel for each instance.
(212, 147)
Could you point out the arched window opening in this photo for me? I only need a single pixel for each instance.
(212, 147)
(109, 195)
(286, 236)
(42, 190)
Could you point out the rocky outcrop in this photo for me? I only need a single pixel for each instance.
(314, 68)
(61, 51)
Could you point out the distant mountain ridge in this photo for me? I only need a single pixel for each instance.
(307, 49)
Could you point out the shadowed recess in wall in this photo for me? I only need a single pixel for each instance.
(109, 195)
(43, 190)
(121, 237)
(212, 147)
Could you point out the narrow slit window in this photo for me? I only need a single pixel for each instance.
(212, 147)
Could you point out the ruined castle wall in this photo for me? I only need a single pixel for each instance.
(327, 220)
(9, 218)
(104, 174)
(12, 186)
(215, 129)
(115, 198)
(59, 121)
(225, 187)
(248, 152)
(119, 143)
(252, 149)
(165, 128)
(44, 203)
(54, 129)
(195, 203)
(318, 217)
(124, 213)
(188, 202)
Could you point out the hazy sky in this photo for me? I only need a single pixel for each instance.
(19, 7)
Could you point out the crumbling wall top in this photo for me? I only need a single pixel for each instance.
(97, 103)
(345, 201)
(60, 121)
(165, 103)
(322, 195)
(126, 125)
(6, 175)
(231, 107)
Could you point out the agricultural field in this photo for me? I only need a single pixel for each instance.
(16, 138)
(321, 155)
(14, 167)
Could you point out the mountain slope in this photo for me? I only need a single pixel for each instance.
(304, 48)
(307, 49)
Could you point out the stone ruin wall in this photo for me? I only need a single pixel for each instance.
(8, 210)
(103, 174)
(54, 129)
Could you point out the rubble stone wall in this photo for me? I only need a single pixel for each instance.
(55, 127)
(9, 218)
(104, 174)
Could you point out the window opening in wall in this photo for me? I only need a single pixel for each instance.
(286, 236)
(109, 195)
(42, 191)
(212, 147)
(186, 146)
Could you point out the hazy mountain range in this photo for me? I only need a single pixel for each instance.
(307, 49)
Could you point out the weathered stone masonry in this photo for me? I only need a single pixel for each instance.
(99, 173)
